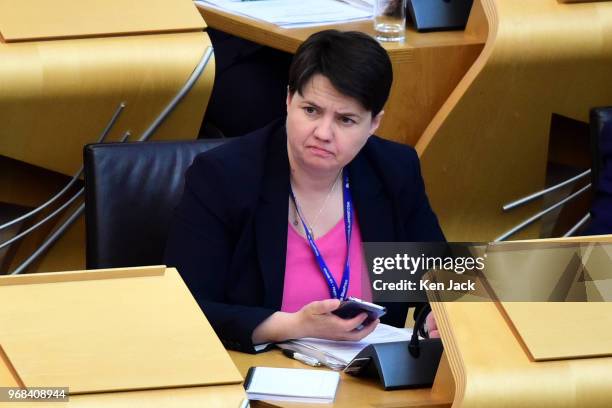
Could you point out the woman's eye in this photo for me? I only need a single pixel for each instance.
(310, 110)
(346, 120)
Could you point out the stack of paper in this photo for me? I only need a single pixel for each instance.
(367, 5)
(292, 13)
(291, 384)
(337, 354)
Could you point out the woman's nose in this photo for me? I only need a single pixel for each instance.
(324, 130)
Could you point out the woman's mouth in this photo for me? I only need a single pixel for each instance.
(318, 151)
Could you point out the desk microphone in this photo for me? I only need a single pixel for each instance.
(419, 328)
(401, 364)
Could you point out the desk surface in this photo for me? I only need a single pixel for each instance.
(352, 392)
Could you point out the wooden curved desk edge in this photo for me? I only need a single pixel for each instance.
(488, 144)
(490, 368)
(487, 364)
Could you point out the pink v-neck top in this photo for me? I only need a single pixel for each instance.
(304, 281)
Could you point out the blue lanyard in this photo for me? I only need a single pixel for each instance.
(334, 291)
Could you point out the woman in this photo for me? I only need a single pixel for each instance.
(256, 210)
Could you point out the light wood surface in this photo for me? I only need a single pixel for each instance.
(492, 369)
(59, 95)
(352, 391)
(570, 338)
(218, 396)
(488, 143)
(487, 347)
(29, 20)
(579, 1)
(559, 331)
(109, 330)
(426, 67)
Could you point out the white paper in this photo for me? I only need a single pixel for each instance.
(294, 13)
(345, 351)
(362, 4)
(293, 384)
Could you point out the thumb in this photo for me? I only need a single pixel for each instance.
(324, 306)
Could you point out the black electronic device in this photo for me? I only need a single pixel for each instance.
(401, 364)
(351, 307)
(439, 15)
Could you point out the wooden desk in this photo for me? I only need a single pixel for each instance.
(426, 67)
(352, 392)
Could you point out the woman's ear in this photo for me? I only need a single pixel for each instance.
(289, 98)
(376, 122)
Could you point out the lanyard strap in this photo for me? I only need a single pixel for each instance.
(334, 291)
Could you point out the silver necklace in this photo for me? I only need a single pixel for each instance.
(298, 210)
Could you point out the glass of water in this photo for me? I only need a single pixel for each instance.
(390, 20)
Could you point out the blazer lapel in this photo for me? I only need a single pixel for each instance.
(271, 219)
(375, 212)
(374, 208)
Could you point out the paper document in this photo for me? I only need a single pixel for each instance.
(293, 13)
(291, 384)
(362, 4)
(338, 354)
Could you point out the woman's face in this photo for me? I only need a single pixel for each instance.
(326, 129)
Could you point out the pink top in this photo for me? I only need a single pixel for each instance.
(304, 281)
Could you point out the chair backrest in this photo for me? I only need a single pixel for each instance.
(601, 144)
(131, 190)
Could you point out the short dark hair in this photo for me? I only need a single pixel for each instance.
(355, 64)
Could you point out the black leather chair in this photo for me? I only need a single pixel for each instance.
(131, 190)
(601, 145)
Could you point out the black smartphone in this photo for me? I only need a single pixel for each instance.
(352, 306)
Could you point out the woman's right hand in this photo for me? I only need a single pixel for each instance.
(313, 320)
(317, 320)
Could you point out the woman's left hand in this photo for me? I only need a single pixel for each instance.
(432, 326)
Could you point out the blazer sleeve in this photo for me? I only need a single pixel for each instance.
(421, 223)
(200, 245)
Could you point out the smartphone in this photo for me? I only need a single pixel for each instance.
(352, 307)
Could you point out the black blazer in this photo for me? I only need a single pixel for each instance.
(229, 238)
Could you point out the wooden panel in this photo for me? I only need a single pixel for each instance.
(59, 95)
(220, 396)
(579, 1)
(488, 143)
(422, 80)
(138, 330)
(499, 373)
(27, 20)
(556, 331)
(502, 373)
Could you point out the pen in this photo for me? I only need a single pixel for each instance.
(311, 361)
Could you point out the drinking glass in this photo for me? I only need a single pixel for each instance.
(390, 19)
